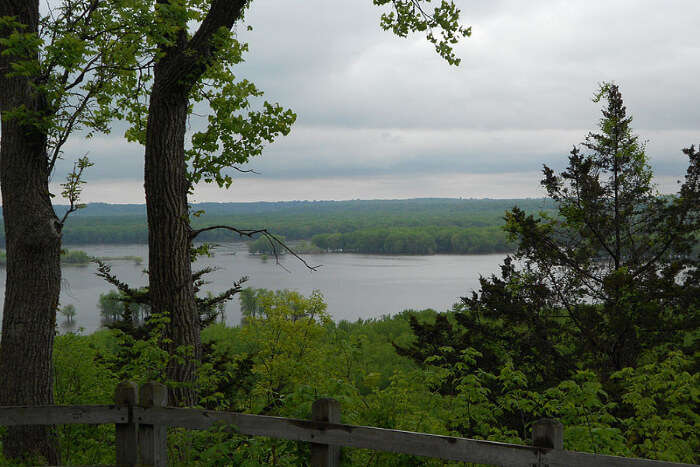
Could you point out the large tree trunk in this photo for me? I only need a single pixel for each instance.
(178, 69)
(170, 272)
(33, 243)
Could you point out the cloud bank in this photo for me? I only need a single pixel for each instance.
(375, 107)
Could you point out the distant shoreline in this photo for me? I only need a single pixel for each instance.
(421, 226)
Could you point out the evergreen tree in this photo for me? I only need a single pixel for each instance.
(617, 258)
(611, 275)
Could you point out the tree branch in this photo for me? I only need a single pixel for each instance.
(72, 187)
(136, 296)
(206, 303)
(274, 241)
(187, 62)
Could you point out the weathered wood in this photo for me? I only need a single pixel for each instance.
(381, 439)
(153, 439)
(324, 455)
(63, 415)
(557, 458)
(548, 433)
(127, 417)
(126, 395)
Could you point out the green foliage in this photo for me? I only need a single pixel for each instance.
(115, 308)
(618, 257)
(81, 379)
(289, 354)
(68, 312)
(662, 399)
(235, 132)
(81, 50)
(137, 260)
(146, 359)
(73, 187)
(416, 240)
(284, 338)
(239, 123)
(249, 301)
(414, 16)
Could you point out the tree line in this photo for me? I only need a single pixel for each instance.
(417, 240)
(394, 227)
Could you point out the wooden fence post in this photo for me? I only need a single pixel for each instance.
(547, 433)
(126, 395)
(153, 439)
(324, 455)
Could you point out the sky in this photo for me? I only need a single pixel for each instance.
(385, 117)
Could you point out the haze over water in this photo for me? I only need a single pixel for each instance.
(354, 285)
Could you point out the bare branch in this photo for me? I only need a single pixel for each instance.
(274, 241)
(245, 171)
(242, 232)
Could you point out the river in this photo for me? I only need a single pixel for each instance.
(354, 285)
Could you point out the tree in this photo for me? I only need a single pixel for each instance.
(191, 68)
(55, 75)
(195, 66)
(598, 285)
(68, 312)
(618, 258)
(598, 301)
(287, 328)
(115, 310)
(250, 303)
(130, 310)
(32, 240)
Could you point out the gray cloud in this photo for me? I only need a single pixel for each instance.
(373, 105)
(113, 156)
(528, 65)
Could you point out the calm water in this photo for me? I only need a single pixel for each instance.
(355, 286)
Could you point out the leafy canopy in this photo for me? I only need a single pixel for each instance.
(82, 49)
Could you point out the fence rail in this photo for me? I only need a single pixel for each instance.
(64, 415)
(142, 418)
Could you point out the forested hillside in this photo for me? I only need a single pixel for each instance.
(415, 226)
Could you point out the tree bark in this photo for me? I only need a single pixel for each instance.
(33, 243)
(170, 272)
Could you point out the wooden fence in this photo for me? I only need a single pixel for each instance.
(142, 418)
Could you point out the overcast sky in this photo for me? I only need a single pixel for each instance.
(385, 117)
